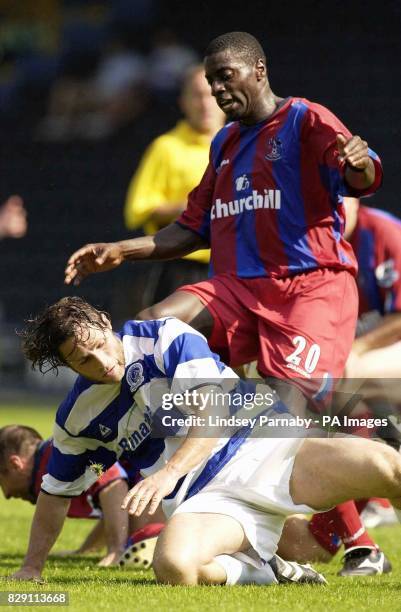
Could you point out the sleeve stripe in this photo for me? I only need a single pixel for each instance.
(186, 348)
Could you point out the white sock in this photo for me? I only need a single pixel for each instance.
(239, 572)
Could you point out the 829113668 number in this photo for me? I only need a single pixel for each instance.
(34, 598)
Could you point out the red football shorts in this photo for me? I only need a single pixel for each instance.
(299, 328)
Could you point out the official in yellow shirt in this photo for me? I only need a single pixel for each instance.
(171, 167)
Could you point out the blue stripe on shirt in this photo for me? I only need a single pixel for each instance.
(366, 275)
(63, 412)
(143, 329)
(287, 176)
(248, 261)
(216, 147)
(218, 461)
(185, 347)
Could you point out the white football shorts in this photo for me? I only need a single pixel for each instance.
(253, 488)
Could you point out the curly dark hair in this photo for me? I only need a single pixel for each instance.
(242, 43)
(68, 318)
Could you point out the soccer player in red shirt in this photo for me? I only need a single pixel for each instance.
(24, 458)
(270, 206)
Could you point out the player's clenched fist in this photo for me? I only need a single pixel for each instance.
(354, 151)
(92, 258)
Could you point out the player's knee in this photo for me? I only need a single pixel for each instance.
(175, 567)
(385, 463)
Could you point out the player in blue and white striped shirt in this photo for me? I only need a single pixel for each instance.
(226, 495)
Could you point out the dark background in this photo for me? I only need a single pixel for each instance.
(345, 55)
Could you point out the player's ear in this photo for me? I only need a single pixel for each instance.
(15, 462)
(260, 68)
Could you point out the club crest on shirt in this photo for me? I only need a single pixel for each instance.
(135, 376)
(274, 149)
(242, 183)
(105, 431)
(386, 274)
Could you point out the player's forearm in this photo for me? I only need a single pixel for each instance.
(193, 451)
(202, 437)
(47, 523)
(115, 519)
(360, 180)
(170, 242)
(387, 332)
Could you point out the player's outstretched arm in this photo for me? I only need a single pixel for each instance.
(115, 521)
(47, 523)
(360, 169)
(171, 242)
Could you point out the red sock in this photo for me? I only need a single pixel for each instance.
(344, 523)
(148, 531)
(361, 504)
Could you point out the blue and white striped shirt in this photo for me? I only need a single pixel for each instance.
(97, 424)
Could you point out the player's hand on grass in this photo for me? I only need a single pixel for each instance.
(148, 493)
(354, 151)
(92, 258)
(26, 573)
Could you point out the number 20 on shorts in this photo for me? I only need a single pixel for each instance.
(309, 356)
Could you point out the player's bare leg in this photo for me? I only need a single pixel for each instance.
(375, 374)
(329, 471)
(198, 548)
(298, 543)
(185, 306)
(186, 548)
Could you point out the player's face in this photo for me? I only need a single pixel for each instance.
(234, 84)
(199, 106)
(14, 483)
(97, 355)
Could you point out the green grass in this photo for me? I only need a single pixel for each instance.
(93, 588)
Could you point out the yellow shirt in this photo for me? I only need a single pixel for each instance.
(171, 167)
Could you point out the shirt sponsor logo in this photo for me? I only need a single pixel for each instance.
(138, 435)
(135, 376)
(270, 198)
(242, 183)
(274, 149)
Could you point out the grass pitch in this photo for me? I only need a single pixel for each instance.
(93, 588)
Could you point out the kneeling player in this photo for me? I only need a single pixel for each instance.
(227, 497)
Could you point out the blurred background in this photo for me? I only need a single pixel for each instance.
(86, 85)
